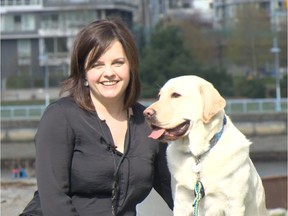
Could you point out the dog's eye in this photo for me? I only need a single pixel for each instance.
(175, 95)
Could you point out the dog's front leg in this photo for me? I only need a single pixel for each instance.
(183, 201)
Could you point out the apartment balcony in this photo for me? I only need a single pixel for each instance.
(57, 32)
(61, 3)
(100, 4)
(19, 5)
(54, 59)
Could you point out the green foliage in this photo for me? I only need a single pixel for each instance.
(163, 58)
(220, 79)
(282, 43)
(251, 39)
(248, 87)
(166, 57)
(283, 86)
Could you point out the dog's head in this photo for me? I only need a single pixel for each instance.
(182, 102)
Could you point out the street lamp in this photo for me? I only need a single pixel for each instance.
(44, 60)
(275, 50)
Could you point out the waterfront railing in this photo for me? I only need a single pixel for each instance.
(233, 106)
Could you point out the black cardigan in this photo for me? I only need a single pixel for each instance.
(75, 163)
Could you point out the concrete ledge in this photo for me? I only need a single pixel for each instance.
(18, 135)
(246, 128)
(270, 128)
(262, 128)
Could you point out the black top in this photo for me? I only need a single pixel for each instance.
(75, 162)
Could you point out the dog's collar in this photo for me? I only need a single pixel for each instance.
(213, 141)
(218, 135)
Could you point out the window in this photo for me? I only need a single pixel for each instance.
(62, 45)
(49, 45)
(24, 22)
(17, 19)
(50, 21)
(265, 6)
(24, 48)
(186, 5)
(10, 2)
(56, 45)
(17, 23)
(54, 18)
(28, 23)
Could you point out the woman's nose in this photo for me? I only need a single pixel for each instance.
(108, 70)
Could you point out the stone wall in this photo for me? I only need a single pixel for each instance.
(249, 124)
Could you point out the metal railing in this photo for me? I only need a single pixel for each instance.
(254, 105)
(233, 106)
(22, 112)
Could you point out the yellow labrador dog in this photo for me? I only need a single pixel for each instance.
(207, 155)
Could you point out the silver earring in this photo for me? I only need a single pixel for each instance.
(86, 83)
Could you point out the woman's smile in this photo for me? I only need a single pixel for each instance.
(109, 76)
(109, 83)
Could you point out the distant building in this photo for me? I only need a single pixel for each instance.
(186, 7)
(37, 35)
(152, 11)
(225, 10)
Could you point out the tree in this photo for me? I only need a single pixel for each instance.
(196, 35)
(251, 88)
(166, 57)
(251, 39)
(163, 58)
(282, 43)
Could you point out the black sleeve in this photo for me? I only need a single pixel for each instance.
(162, 178)
(54, 148)
(33, 207)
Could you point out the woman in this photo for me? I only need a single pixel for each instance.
(93, 154)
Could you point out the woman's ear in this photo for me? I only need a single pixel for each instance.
(213, 102)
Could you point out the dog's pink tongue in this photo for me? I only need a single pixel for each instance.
(156, 133)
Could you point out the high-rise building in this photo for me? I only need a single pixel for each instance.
(37, 35)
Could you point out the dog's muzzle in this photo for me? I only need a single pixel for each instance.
(171, 133)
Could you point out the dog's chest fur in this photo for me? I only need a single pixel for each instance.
(217, 166)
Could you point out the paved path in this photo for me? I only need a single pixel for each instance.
(15, 196)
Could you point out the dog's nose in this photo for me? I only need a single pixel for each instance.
(149, 113)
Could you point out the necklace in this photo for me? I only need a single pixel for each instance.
(112, 148)
(115, 184)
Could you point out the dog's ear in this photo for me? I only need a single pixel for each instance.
(213, 102)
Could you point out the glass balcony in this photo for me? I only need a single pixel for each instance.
(4, 3)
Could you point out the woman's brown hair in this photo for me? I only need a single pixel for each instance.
(92, 41)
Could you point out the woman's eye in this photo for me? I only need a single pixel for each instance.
(118, 63)
(97, 65)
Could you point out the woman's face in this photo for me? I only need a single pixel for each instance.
(109, 76)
